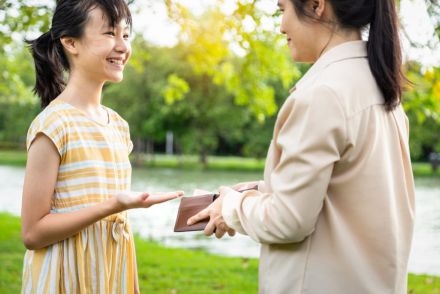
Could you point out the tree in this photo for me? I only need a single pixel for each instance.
(244, 59)
(422, 105)
(434, 12)
(155, 99)
(22, 19)
(219, 88)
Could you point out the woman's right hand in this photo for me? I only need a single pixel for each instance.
(128, 200)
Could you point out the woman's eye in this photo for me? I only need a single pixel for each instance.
(110, 33)
(126, 36)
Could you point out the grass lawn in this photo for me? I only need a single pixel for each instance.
(13, 157)
(169, 270)
(423, 169)
(18, 158)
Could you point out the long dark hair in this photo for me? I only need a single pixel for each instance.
(69, 20)
(383, 46)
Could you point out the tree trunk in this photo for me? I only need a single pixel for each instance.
(179, 154)
(150, 150)
(138, 148)
(204, 159)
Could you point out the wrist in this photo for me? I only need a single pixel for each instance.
(114, 206)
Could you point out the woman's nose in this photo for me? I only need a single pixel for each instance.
(282, 30)
(122, 45)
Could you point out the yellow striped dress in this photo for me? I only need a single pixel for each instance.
(94, 166)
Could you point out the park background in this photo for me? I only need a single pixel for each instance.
(201, 93)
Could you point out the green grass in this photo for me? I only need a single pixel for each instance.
(192, 162)
(11, 254)
(13, 157)
(423, 169)
(420, 284)
(160, 269)
(169, 270)
(18, 158)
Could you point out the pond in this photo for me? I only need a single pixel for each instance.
(157, 222)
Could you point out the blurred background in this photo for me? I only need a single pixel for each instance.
(209, 75)
(201, 93)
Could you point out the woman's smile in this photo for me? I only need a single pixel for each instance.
(117, 62)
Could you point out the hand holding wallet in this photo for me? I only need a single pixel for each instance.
(190, 206)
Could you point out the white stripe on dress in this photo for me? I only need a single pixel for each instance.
(93, 130)
(73, 269)
(66, 266)
(44, 270)
(53, 268)
(116, 285)
(94, 144)
(98, 236)
(28, 269)
(86, 192)
(89, 180)
(92, 254)
(94, 163)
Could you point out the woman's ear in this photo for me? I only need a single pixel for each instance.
(318, 7)
(70, 45)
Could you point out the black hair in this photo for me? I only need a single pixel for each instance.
(69, 20)
(383, 46)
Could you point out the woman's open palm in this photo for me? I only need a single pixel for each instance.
(145, 199)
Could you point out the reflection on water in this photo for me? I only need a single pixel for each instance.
(157, 222)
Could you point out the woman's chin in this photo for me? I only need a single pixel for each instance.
(301, 59)
(115, 79)
(295, 56)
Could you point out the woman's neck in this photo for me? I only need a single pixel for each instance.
(338, 37)
(85, 94)
(82, 92)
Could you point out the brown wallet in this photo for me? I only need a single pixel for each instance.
(190, 206)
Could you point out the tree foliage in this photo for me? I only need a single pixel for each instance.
(218, 90)
(237, 52)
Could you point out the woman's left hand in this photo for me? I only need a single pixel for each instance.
(128, 199)
(216, 222)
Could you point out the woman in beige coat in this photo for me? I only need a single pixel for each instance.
(335, 211)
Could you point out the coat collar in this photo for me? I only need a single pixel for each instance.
(348, 50)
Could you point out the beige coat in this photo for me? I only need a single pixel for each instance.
(335, 212)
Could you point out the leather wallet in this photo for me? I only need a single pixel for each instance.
(190, 206)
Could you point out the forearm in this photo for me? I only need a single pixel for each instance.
(266, 219)
(54, 227)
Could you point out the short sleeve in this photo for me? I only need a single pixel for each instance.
(126, 136)
(122, 128)
(130, 144)
(51, 125)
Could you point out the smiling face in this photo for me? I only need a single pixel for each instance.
(300, 33)
(103, 50)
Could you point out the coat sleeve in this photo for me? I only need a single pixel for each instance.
(310, 140)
